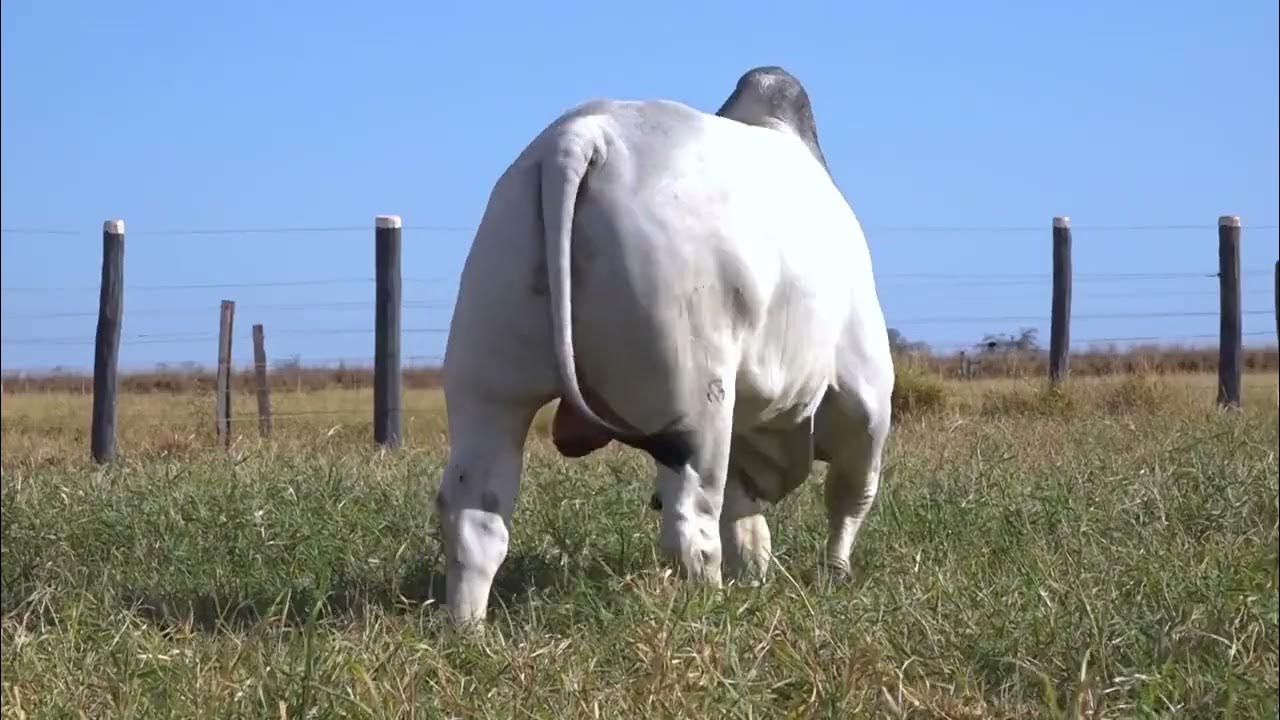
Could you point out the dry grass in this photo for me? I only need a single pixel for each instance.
(917, 393)
(1110, 551)
(292, 377)
(180, 381)
(1098, 361)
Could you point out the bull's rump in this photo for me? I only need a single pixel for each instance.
(708, 246)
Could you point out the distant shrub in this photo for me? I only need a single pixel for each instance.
(1093, 361)
(1028, 400)
(1137, 393)
(917, 392)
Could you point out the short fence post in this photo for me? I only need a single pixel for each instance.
(1230, 350)
(106, 352)
(223, 399)
(1060, 322)
(260, 379)
(387, 379)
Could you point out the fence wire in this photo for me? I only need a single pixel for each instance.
(1196, 283)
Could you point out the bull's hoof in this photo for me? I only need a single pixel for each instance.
(839, 575)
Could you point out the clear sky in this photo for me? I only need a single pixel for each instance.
(941, 116)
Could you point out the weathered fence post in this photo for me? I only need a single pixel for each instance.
(106, 351)
(260, 379)
(223, 399)
(1230, 350)
(387, 380)
(1060, 323)
(1277, 287)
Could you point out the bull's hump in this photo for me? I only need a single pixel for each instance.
(769, 95)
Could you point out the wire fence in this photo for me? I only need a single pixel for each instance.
(947, 303)
(469, 229)
(36, 325)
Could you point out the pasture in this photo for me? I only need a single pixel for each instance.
(1110, 552)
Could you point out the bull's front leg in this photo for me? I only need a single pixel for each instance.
(744, 533)
(855, 428)
(690, 534)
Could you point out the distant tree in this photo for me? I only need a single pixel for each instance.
(895, 338)
(898, 343)
(1025, 341)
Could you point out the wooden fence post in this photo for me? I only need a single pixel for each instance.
(1060, 323)
(223, 399)
(1230, 350)
(1277, 287)
(387, 380)
(260, 378)
(106, 352)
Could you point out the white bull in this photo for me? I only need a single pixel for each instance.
(692, 285)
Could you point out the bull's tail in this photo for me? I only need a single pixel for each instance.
(577, 148)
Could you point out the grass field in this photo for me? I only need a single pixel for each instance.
(1111, 552)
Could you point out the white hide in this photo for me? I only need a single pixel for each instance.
(699, 274)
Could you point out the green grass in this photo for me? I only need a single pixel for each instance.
(1115, 555)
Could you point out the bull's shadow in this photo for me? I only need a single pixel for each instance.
(420, 590)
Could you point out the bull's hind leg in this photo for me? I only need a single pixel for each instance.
(852, 431)
(476, 496)
(691, 492)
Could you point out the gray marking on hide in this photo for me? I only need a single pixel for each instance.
(489, 501)
(540, 286)
(771, 92)
(703, 505)
(672, 448)
(715, 391)
(740, 307)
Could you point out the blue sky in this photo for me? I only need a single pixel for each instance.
(995, 116)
